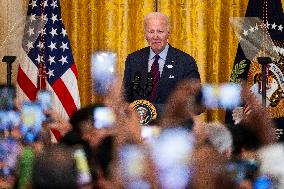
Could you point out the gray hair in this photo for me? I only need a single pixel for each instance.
(219, 136)
(157, 15)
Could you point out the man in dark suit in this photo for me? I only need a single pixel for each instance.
(153, 72)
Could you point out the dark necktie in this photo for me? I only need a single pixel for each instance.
(156, 76)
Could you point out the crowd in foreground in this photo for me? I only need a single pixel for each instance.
(104, 146)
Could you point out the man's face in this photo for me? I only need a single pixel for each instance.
(156, 34)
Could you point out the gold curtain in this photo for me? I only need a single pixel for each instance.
(200, 28)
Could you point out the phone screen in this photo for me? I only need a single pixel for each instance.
(132, 161)
(9, 152)
(226, 96)
(7, 96)
(103, 71)
(32, 118)
(9, 120)
(84, 175)
(44, 97)
(103, 118)
(171, 153)
(150, 132)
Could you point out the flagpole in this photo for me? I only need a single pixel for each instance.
(264, 61)
(42, 66)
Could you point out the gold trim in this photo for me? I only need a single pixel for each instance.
(146, 103)
(275, 112)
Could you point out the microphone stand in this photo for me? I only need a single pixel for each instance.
(149, 86)
(136, 87)
(9, 60)
(147, 91)
(264, 61)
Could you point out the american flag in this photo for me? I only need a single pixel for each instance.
(49, 55)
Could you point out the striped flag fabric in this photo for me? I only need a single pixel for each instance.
(49, 63)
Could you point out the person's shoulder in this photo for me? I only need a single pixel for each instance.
(139, 52)
(181, 54)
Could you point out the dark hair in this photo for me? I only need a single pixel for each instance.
(104, 155)
(54, 168)
(244, 138)
(82, 115)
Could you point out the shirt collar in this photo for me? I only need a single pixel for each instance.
(163, 54)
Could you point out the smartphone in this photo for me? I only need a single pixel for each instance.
(84, 174)
(9, 120)
(225, 96)
(44, 97)
(132, 161)
(103, 118)
(171, 152)
(10, 151)
(103, 71)
(32, 117)
(150, 132)
(7, 96)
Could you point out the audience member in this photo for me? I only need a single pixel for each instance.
(54, 168)
(208, 164)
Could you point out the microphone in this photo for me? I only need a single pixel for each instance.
(136, 84)
(149, 85)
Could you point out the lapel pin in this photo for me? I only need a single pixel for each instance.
(169, 66)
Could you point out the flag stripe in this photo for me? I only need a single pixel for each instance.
(21, 96)
(57, 105)
(65, 97)
(74, 69)
(29, 67)
(69, 79)
(26, 84)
